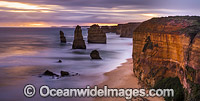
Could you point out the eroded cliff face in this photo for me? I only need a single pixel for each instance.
(167, 47)
(109, 29)
(126, 30)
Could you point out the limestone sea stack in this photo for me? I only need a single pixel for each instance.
(169, 47)
(96, 35)
(126, 30)
(78, 42)
(62, 37)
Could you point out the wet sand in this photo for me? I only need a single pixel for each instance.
(123, 77)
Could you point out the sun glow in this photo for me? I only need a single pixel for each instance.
(150, 15)
(18, 5)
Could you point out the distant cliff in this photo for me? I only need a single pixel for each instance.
(168, 47)
(126, 30)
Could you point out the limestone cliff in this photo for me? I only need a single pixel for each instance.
(168, 47)
(109, 29)
(78, 42)
(126, 30)
(96, 34)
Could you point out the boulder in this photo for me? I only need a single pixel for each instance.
(49, 73)
(96, 35)
(62, 37)
(64, 73)
(78, 42)
(95, 55)
(59, 61)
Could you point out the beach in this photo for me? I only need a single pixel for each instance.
(123, 77)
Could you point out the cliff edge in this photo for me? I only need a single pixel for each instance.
(168, 47)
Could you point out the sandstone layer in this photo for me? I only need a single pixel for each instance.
(168, 47)
(78, 42)
(96, 34)
(126, 30)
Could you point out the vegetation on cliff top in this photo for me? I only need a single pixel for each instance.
(171, 83)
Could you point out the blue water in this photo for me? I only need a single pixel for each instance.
(25, 53)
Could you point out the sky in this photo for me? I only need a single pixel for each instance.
(46, 13)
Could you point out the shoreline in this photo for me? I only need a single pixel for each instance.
(123, 77)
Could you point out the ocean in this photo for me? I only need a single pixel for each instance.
(26, 53)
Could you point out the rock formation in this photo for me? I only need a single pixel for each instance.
(78, 42)
(62, 37)
(109, 29)
(59, 61)
(64, 73)
(95, 55)
(168, 47)
(96, 35)
(126, 30)
(49, 73)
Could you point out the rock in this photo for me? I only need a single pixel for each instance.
(126, 30)
(49, 73)
(59, 61)
(64, 73)
(95, 55)
(78, 42)
(168, 47)
(109, 29)
(62, 37)
(96, 35)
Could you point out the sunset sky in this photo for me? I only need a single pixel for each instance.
(45, 13)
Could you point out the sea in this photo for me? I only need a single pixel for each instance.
(26, 53)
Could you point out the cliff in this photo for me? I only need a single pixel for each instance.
(78, 42)
(109, 29)
(96, 34)
(168, 47)
(126, 30)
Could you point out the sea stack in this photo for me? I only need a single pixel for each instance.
(78, 42)
(62, 37)
(96, 35)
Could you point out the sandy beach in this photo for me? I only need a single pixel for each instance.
(123, 77)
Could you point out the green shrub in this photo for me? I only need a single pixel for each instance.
(171, 83)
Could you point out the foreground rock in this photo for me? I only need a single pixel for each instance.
(78, 42)
(59, 61)
(49, 73)
(96, 35)
(169, 47)
(95, 55)
(62, 37)
(64, 73)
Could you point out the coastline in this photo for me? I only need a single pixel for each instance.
(123, 77)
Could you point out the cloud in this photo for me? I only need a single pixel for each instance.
(82, 12)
